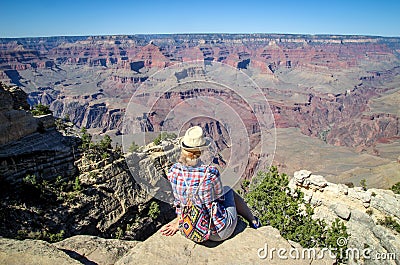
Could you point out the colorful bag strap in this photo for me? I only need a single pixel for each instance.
(213, 205)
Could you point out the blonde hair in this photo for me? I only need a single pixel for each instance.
(190, 158)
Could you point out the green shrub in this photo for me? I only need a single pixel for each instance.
(41, 109)
(390, 223)
(363, 184)
(154, 210)
(86, 139)
(274, 204)
(98, 151)
(105, 155)
(33, 187)
(22, 234)
(245, 183)
(336, 239)
(52, 238)
(30, 180)
(119, 234)
(134, 147)
(157, 140)
(60, 125)
(164, 136)
(41, 235)
(61, 189)
(105, 143)
(396, 188)
(67, 118)
(77, 184)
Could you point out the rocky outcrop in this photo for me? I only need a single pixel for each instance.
(15, 121)
(18, 97)
(83, 112)
(35, 252)
(247, 246)
(95, 249)
(361, 209)
(49, 154)
(49, 185)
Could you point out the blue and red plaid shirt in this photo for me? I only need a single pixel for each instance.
(185, 180)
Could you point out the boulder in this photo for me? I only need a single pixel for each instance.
(19, 97)
(46, 121)
(300, 176)
(341, 210)
(15, 121)
(304, 178)
(317, 182)
(386, 201)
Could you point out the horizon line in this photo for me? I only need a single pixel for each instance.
(201, 33)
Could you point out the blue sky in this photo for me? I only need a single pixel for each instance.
(21, 18)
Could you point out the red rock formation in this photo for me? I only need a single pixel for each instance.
(266, 53)
(152, 56)
(337, 118)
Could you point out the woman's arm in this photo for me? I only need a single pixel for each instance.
(171, 228)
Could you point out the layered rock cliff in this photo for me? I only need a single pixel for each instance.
(31, 144)
(54, 193)
(160, 50)
(52, 186)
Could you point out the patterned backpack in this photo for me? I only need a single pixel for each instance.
(193, 222)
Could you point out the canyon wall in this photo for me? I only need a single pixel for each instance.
(321, 84)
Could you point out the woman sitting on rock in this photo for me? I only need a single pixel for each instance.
(190, 176)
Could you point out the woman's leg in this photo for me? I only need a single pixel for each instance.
(231, 220)
(243, 209)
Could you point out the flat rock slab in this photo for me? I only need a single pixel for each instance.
(33, 252)
(243, 248)
(95, 249)
(247, 246)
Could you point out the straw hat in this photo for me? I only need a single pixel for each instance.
(194, 139)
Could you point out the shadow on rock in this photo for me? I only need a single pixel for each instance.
(240, 227)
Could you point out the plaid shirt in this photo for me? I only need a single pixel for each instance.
(210, 191)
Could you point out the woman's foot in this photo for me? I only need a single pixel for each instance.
(255, 223)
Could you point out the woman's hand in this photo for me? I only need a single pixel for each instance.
(170, 229)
